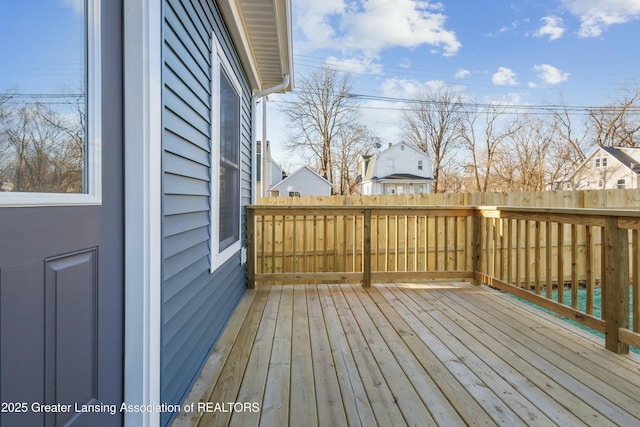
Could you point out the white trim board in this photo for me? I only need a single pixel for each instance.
(143, 175)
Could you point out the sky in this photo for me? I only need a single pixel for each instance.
(526, 52)
(43, 49)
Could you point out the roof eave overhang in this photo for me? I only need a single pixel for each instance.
(262, 34)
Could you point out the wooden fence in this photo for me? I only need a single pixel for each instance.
(620, 199)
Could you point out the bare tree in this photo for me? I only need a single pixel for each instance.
(323, 107)
(352, 143)
(433, 125)
(451, 178)
(43, 149)
(483, 133)
(570, 143)
(618, 124)
(521, 162)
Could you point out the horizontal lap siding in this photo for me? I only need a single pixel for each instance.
(196, 303)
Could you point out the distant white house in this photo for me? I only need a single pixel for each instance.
(607, 168)
(303, 182)
(269, 170)
(399, 169)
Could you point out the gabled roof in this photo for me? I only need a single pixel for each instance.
(263, 29)
(615, 152)
(284, 181)
(395, 147)
(624, 158)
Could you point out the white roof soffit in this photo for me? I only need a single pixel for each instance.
(261, 30)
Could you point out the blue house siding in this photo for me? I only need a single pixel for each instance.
(196, 304)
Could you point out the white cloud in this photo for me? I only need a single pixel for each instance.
(504, 77)
(513, 26)
(462, 73)
(550, 74)
(405, 63)
(553, 28)
(76, 5)
(316, 20)
(409, 89)
(597, 15)
(373, 25)
(354, 65)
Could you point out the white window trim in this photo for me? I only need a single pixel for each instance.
(93, 196)
(220, 61)
(601, 162)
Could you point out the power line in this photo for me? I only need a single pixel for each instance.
(41, 95)
(540, 108)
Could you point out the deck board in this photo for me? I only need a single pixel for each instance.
(442, 354)
(303, 397)
(328, 398)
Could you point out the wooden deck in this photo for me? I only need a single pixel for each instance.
(442, 354)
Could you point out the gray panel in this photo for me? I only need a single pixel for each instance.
(47, 345)
(22, 340)
(71, 289)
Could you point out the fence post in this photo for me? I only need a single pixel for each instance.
(615, 284)
(366, 252)
(476, 244)
(251, 248)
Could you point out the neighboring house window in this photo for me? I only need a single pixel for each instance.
(600, 183)
(568, 186)
(601, 162)
(587, 184)
(225, 159)
(418, 189)
(419, 165)
(622, 183)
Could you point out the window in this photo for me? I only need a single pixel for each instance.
(600, 183)
(50, 115)
(419, 165)
(622, 183)
(600, 162)
(225, 159)
(418, 189)
(587, 184)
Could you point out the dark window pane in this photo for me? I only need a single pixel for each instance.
(229, 163)
(43, 96)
